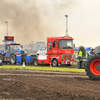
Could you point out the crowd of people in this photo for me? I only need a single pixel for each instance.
(88, 54)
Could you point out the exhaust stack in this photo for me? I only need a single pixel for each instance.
(66, 25)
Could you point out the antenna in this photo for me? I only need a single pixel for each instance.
(6, 28)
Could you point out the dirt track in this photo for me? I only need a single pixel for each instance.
(41, 85)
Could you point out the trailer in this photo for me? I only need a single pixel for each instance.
(60, 50)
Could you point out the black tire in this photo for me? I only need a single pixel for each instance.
(1, 58)
(54, 62)
(35, 62)
(12, 59)
(92, 67)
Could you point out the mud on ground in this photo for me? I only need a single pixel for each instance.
(45, 85)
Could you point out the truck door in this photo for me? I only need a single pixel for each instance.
(7, 48)
(55, 47)
(49, 47)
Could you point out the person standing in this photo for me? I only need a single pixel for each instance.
(92, 52)
(80, 55)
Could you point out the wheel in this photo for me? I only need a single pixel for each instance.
(1, 58)
(54, 62)
(35, 62)
(92, 67)
(12, 59)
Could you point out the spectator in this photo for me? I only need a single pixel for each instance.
(80, 55)
(92, 51)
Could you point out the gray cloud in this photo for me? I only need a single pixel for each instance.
(31, 20)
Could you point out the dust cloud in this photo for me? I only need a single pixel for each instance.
(33, 20)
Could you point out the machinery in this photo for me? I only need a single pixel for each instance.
(42, 51)
(13, 53)
(92, 65)
(60, 50)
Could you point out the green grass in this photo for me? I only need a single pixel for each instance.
(75, 63)
(42, 68)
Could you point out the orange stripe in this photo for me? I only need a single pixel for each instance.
(18, 55)
(28, 55)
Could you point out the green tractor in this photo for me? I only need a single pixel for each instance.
(92, 65)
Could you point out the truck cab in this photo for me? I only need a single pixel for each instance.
(14, 48)
(60, 50)
(60, 45)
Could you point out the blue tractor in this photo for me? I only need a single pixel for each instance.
(14, 54)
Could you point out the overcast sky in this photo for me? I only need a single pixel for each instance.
(35, 20)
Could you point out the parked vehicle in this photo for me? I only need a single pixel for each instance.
(60, 50)
(42, 51)
(13, 53)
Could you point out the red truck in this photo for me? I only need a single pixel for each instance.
(60, 50)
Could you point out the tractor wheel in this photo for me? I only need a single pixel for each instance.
(1, 58)
(12, 59)
(54, 62)
(35, 62)
(92, 67)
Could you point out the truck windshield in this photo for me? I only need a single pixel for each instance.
(65, 44)
(14, 47)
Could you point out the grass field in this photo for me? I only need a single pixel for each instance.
(42, 68)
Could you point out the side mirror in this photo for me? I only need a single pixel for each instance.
(56, 44)
(74, 45)
(50, 45)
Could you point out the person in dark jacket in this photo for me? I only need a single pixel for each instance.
(92, 52)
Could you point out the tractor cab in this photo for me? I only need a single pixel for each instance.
(11, 47)
(13, 53)
(14, 48)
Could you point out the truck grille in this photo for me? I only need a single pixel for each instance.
(67, 58)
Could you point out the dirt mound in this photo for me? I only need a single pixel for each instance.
(17, 85)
